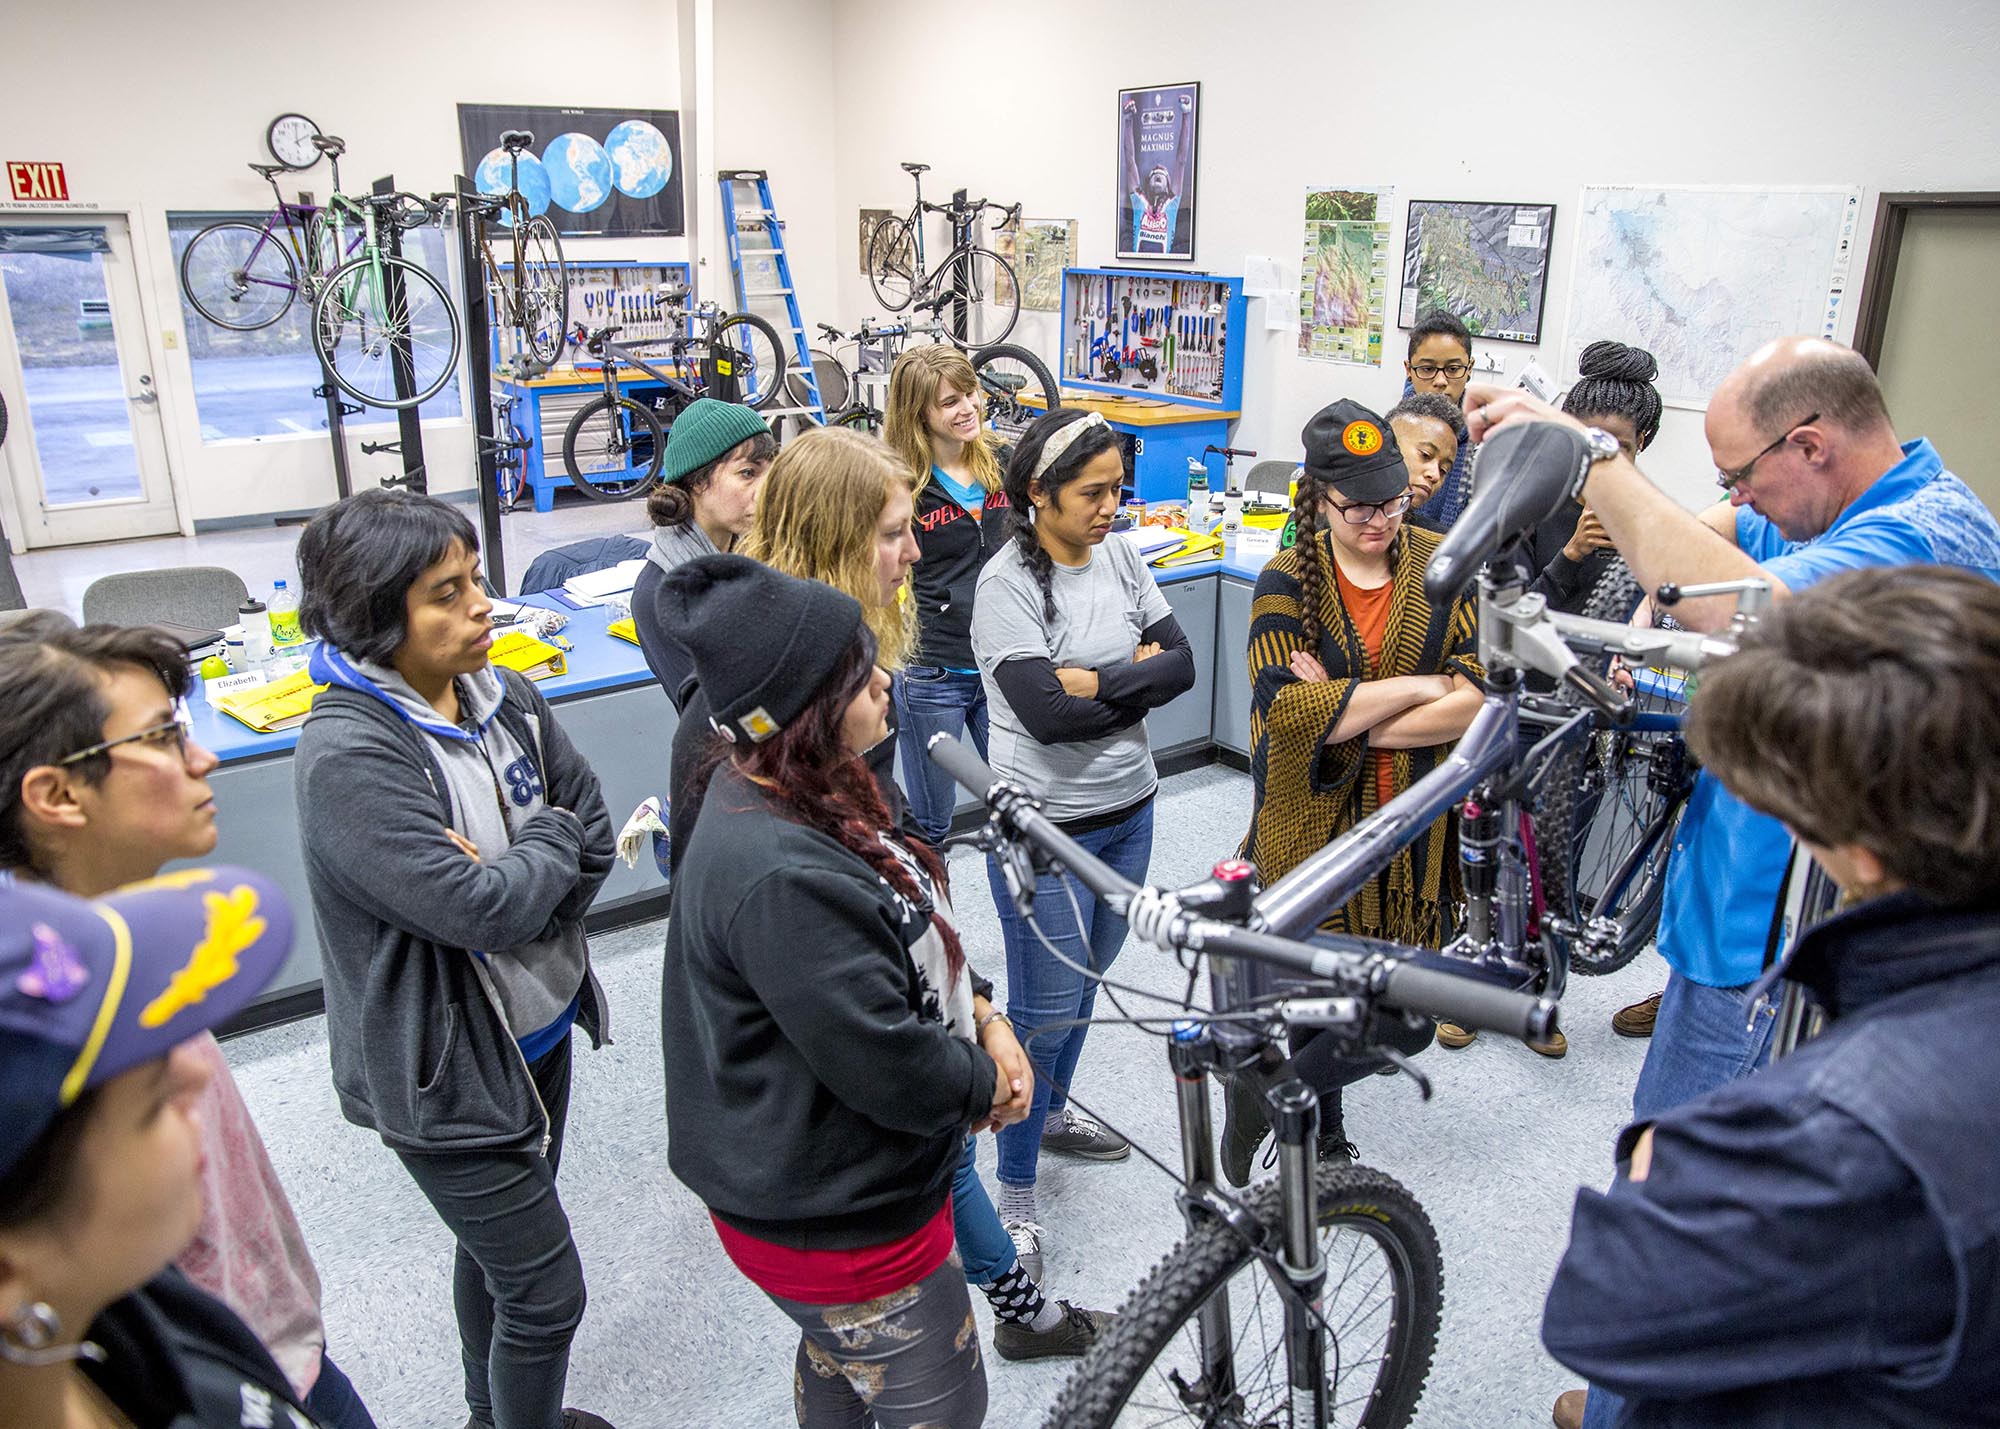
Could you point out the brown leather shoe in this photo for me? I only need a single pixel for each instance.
(1555, 1047)
(1638, 1019)
(1569, 1409)
(1451, 1035)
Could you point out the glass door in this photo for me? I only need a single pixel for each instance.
(83, 450)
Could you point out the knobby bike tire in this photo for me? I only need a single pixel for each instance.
(1166, 1301)
(3, 421)
(542, 297)
(205, 250)
(1006, 413)
(645, 435)
(341, 330)
(987, 300)
(738, 336)
(861, 419)
(892, 264)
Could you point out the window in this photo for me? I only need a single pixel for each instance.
(260, 383)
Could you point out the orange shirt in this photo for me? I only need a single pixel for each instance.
(1368, 608)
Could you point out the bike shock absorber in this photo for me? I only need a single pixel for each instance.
(1479, 856)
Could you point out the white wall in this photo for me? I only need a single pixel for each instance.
(156, 107)
(1498, 103)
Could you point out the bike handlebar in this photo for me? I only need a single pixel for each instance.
(1158, 918)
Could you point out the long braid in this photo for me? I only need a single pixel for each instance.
(1312, 569)
(1021, 527)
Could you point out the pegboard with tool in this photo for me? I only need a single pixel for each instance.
(1171, 336)
(646, 301)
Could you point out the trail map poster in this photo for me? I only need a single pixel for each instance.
(1039, 250)
(607, 172)
(1157, 128)
(1487, 263)
(1344, 280)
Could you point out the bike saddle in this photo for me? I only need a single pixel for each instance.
(270, 170)
(330, 144)
(515, 140)
(1009, 383)
(1520, 478)
(916, 168)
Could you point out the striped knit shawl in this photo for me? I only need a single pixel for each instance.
(1308, 791)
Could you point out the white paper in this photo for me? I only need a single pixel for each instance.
(1150, 540)
(1269, 278)
(593, 586)
(1281, 314)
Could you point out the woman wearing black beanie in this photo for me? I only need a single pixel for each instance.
(826, 1045)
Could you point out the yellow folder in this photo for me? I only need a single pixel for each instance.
(518, 650)
(280, 704)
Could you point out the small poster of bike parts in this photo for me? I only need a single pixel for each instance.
(595, 172)
(1169, 336)
(1157, 128)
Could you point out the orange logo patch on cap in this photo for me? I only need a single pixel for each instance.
(1362, 438)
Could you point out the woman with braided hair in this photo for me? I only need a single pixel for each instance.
(1360, 684)
(1074, 643)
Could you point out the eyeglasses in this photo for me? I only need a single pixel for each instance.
(1429, 370)
(1361, 513)
(169, 734)
(1730, 479)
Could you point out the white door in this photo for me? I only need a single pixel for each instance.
(83, 455)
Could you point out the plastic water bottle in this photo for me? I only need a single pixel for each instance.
(285, 632)
(256, 635)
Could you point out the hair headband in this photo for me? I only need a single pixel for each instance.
(1061, 442)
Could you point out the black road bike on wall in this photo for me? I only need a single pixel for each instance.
(977, 284)
(1314, 1298)
(530, 288)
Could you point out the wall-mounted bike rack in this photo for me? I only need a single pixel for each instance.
(479, 394)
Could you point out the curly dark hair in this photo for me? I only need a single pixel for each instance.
(1021, 474)
(1616, 380)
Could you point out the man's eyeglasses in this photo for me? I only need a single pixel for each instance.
(1729, 480)
(1360, 514)
(169, 734)
(1429, 370)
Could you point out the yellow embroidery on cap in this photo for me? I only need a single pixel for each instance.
(760, 724)
(233, 925)
(1362, 438)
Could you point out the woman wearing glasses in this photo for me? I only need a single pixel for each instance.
(1440, 363)
(1359, 686)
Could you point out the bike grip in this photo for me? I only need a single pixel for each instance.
(962, 765)
(1469, 1002)
(1610, 701)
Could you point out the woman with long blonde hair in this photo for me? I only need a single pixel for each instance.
(936, 428)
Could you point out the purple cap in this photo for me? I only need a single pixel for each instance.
(90, 988)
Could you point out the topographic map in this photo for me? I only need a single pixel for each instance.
(1701, 277)
(1344, 276)
(1486, 262)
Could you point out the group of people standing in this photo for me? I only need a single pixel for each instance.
(810, 612)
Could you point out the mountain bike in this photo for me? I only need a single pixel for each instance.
(244, 276)
(1314, 1299)
(970, 278)
(614, 446)
(530, 294)
(1006, 375)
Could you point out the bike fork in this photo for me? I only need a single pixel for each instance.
(1295, 1122)
(1188, 1053)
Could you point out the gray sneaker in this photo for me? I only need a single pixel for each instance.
(1027, 1238)
(1076, 1332)
(1084, 1139)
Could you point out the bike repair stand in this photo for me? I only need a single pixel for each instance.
(409, 443)
(479, 394)
(338, 409)
(961, 274)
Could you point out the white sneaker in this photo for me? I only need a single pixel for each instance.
(1027, 1238)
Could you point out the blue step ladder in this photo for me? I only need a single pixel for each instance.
(763, 277)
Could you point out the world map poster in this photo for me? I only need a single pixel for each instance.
(1485, 263)
(1344, 281)
(593, 171)
(1703, 277)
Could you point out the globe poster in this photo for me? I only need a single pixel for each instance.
(595, 172)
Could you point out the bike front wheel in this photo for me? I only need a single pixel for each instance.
(1008, 377)
(892, 263)
(748, 360)
(543, 294)
(984, 283)
(1381, 1303)
(361, 324)
(239, 275)
(613, 449)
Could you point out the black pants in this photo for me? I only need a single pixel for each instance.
(517, 1283)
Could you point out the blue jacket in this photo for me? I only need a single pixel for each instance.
(1818, 1244)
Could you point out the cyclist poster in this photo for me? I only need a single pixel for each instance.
(595, 172)
(1157, 129)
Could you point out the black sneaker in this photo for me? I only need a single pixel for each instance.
(584, 1419)
(1332, 1146)
(1076, 1332)
(1083, 1138)
(1245, 1124)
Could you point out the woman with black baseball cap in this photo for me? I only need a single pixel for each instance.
(100, 1152)
(1359, 686)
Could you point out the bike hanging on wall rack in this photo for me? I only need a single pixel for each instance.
(1314, 1299)
(1007, 375)
(529, 294)
(971, 275)
(245, 276)
(615, 444)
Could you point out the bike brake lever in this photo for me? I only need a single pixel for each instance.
(1407, 1068)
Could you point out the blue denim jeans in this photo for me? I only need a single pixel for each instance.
(983, 1243)
(1042, 991)
(1704, 1038)
(932, 700)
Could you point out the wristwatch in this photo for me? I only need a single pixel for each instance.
(1603, 446)
(996, 1015)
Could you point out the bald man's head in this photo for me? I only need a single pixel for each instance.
(1785, 381)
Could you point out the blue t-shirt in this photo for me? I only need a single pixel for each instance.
(1728, 861)
(968, 494)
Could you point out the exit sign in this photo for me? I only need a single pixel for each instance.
(37, 182)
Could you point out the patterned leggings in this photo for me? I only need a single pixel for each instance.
(908, 1360)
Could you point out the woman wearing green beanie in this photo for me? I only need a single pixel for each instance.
(717, 453)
